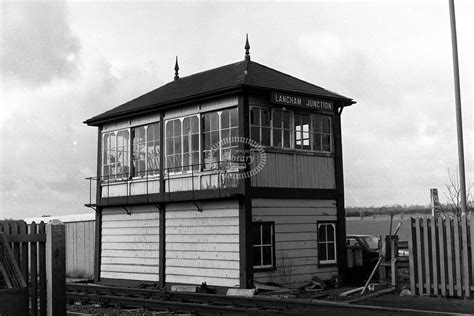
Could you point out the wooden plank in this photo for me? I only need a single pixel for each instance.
(210, 209)
(209, 221)
(215, 230)
(297, 211)
(281, 237)
(42, 270)
(129, 276)
(442, 258)
(285, 203)
(434, 259)
(228, 282)
(297, 245)
(471, 229)
(202, 272)
(411, 251)
(123, 216)
(465, 258)
(23, 230)
(145, 269)
(293, 219)
(419, 257)
(129, 253)
(56, 267)
(178, 238)
(33, 273)
(149, 246)
(449, 247)
(148, 230)
(130, 223)
(426, 247)
(457, 256)
(200, 263)
(130, 261)
(130, 238)
(225, 247)
(205, 255)
(282, 228)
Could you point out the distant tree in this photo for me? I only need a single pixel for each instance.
(453, 194)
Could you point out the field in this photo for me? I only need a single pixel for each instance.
(380, 225)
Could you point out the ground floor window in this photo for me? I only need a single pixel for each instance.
(327, 243)
(263, 245)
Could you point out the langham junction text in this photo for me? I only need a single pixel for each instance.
(286, 99)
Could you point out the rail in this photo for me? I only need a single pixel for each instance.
(218, 304)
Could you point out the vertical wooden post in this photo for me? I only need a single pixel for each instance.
(411, 249)
(56, 268)
(434, 254)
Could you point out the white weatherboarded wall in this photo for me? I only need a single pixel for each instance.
(130, 243)
(295, 238)
(203, 246)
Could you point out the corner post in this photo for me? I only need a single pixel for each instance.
(56, 268)
(245, 201)
(341, 212)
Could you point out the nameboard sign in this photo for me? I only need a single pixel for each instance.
(288, 99)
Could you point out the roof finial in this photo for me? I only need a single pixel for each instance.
(247, 48)
(176, 68)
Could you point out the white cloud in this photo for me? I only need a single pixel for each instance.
(37, 43)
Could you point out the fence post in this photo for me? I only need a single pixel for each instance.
(56, 268)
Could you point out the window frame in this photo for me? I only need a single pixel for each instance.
(333, 262)
(145, 143)
(294, 113)
(261, 245)
(181, 169)
(114, 177)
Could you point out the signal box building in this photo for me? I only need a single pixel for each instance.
(228, 176)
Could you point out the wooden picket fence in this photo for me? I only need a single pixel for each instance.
(28, 244)
(442, 256)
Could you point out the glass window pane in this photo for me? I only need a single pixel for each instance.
(177, 127)
(267, 234)
(169, 146)
(234, 132)
(277, 119)
(255, 134)
(194, 124)
(317, 123)
(267, 256)
(234, 120)
(326, 125)
(326, 143)
(255, 116)
(186, 144)
(286, 138)
(316, 142)
(330, 232)
(331, 251)
(112, 141)
(225, 119)
(225, 133)
(277, 138)
(286, 120)
(322, 252)
(256, 234)
(322, 232)
(169, 129)
(150, 133)
(214, 122)
(214, 138)
(265, 136)
(186, 126)
(195, 142)
(177, 145)
(207, 122)
(257, 256)
(207, 141)
(265, 117)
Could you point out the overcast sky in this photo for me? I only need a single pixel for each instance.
(63, 62)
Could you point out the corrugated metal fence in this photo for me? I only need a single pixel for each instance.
(442, 256)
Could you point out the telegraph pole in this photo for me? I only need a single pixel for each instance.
(457, 91)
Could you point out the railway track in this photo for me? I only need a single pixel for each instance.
(198, 303)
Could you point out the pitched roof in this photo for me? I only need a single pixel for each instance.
(237, 75)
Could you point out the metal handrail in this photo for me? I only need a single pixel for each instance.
(184, 171)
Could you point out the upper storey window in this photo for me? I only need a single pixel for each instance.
(115, 160)
(287, 129)
(182, 144)
(146, 150)
(218, 129)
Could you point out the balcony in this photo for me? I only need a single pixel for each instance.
(190, 182)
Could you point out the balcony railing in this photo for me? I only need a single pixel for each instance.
(217, 176)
